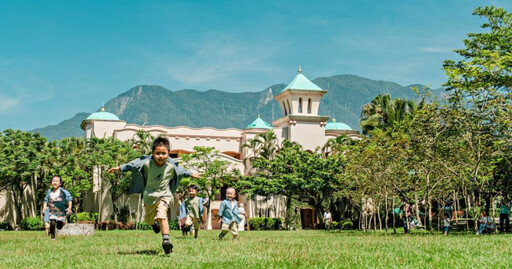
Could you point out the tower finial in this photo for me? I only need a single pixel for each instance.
(300, 69)
(102, 109)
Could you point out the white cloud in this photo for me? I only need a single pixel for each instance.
(8, 104)
(435, 49)
(217, 59)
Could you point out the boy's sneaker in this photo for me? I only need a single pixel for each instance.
(167, 246)
(221, 235)
(156, 227)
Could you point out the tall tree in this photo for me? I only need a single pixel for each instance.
(481, 94)
(20, 158)
(215, 173)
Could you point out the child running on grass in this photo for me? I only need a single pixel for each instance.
(228, 214)
(156, 177)
(57, 205)
(191, 210)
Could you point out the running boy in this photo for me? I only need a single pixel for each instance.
(57, 205)
(156, 177)
(191, 210)
(228, 213)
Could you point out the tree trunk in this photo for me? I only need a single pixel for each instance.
(430, 216)
(394, 217)
(380, 219)
(387, 212)
(16, 195)
(209, 213)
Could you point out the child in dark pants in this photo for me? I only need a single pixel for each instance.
(57, 203)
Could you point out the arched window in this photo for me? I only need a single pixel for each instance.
(285, 110)
(309, 106)
(300, 105)
(289, 107)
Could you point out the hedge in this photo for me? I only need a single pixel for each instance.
(84, 217)
(265, 223)
(32, 224)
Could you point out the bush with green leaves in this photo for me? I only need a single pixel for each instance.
(32, 224)
(265, 223)
(257, 223)
(141, 225)
(5, 226)
(84, 217)
(173, 225)
(346, 225)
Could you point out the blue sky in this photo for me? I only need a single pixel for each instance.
(58, 58)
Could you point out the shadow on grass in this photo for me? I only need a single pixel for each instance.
(139, 252)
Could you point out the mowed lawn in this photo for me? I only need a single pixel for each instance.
(256, 249)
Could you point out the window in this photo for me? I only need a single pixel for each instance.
(300, 105)
(285, 111)
(289, 107)
(309, 106)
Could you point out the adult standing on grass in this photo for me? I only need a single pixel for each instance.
(243, 217)
(504, 215)
(406, 216)
(449, 209)
(156, 177)
(327, 219)
(57, 203)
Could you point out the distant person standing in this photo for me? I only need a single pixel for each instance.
(448, 209)
(504, 215)
(406, 216)
(327, 219)
(243, 217)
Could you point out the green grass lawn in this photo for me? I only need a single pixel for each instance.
(258, 249)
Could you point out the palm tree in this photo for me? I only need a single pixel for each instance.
(336, 145)
(141, 141)
(263, 145)
(383, 112)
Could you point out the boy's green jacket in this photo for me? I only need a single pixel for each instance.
(139, 179)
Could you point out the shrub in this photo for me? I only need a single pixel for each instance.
(32, 224)
(278, 223)
(265, 223)
(141, 226)
(257, 223)
(270, 223)
(335, 225)
(5, 226)
(173, 225)
(125, 226)
(106, 225)
(84, 217)
(347, 225)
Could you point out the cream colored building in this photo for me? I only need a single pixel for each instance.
(301, 123)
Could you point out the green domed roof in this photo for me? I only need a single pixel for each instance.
(333, 125)
(102, 115)
(259, 124)
(301, 82)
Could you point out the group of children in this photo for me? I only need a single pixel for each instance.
(156, 177)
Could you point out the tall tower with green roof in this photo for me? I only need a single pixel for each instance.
(299, 102)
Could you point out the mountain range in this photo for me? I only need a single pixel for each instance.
(150, 105)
